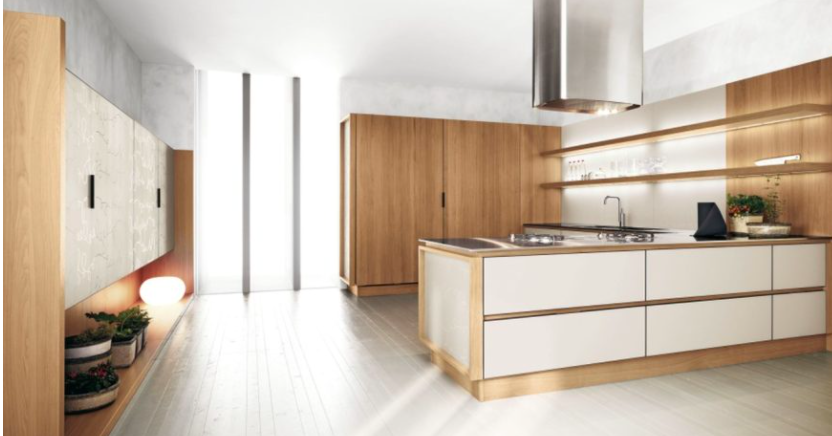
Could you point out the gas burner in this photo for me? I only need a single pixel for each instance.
(534, 239)
(626, 236)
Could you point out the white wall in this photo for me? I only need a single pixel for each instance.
(391, 98)
(775, 36)
(95, 52)
(168, 103)
(666, 205)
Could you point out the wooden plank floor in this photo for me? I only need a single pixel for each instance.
(323, 362)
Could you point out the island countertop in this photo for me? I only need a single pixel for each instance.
(494, 247)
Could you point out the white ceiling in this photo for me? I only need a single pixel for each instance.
(483, 44)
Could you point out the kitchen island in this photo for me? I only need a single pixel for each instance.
(511, 317)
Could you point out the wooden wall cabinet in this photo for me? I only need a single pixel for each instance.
(403, 179)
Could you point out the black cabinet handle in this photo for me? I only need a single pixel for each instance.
(92, 191)
(158, 197)
(443, 199)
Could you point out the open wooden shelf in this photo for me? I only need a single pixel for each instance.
(102, 422)
(725, 173)
(779, 115)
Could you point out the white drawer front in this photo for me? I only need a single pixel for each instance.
(673, 328)
(799, 266)
(707, 271)
(517, 346)
(524, 283)
(801, 314)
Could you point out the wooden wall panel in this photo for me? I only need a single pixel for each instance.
(482, 179)
(33, 220)
(538, 205)
(180, 261)
(114, 298)
(807, 199)
(398, 195)
(807, 203)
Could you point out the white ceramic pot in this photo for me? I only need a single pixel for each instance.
(89, 350)
(92, 401)
(739, 224)
(124, 353)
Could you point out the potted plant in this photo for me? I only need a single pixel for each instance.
(91, 390)
(137, 319)
(125, 339)
(88, 349)
(772, 227)
(743, 210)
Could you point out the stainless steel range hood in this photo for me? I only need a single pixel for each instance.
(588, 55)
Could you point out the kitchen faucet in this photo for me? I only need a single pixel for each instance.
(622, 217)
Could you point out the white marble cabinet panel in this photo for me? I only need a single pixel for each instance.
(145, 183)
(79, 220)
(99, 143)
(165, 177)
(113, 155)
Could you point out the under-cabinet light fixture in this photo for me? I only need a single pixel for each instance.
(160, 291)
(777, 160)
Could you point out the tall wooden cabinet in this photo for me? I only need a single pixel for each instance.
(403, 179)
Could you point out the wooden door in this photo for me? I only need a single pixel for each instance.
(482, 179)
(398, 195)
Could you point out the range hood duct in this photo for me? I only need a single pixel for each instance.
(588, 55)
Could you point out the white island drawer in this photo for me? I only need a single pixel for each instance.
(523, 345)
(802, 314)
(525, 283)
(707, 271)
(799, 266)
(673, 328)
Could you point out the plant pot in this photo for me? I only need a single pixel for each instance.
(124, 352)
(84, 364)
(88, 350)
(768, 230)
(739, 224)
(92, 401)
(142, 340)
(83, 357)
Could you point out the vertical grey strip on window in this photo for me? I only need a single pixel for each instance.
(246, 183)
(296, 183)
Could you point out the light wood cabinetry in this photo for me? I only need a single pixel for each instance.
(405, 178)
(523, 345)
(482, 179)
(707, 271)
(531, 283)
(33, 224)
(398, 195)
(673, 328)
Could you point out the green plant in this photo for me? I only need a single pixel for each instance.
(774, 204)
(95, 379)
(126, 324)
(741, 204)
(89, 336)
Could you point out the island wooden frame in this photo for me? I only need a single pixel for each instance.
(471, 377)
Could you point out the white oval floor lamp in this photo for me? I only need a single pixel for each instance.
(160, 291)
